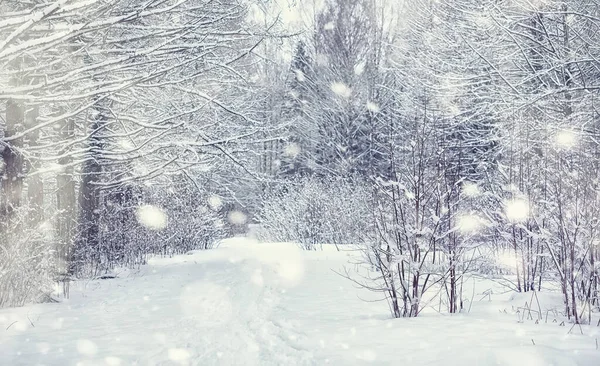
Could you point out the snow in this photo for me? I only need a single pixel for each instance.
(373, 107)
(237, 217)
(359, 68)
(471, 189)
(341, 89)
(292, 150)
(566, 139)
(86, 347)
(469, 223)
(248, 303)
(215, 202)
(300, 75)
(152, 217)
(517, 210)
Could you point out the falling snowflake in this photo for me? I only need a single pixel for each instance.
(292, 150)
(86, 347)
(506, 259)
(179, 355)
(113, 361)
(341, 89)
(566, 139)
(321, 59)
(359, 68)
(300, 75)
(471, 189)
(469, 224)
(373, 107)
(237, 218)
(215, 202)
(329, 26)
(151, 217)
(126, 144)
(517, 210)
(43, 347)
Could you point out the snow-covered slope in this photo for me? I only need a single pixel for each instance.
(268, 304)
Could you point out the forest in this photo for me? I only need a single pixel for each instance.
(440, 137)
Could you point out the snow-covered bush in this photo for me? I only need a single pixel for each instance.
(27, 265)
(317, 211)
(167, 217)
(192, 223)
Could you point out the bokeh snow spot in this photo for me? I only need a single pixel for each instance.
(151, 217)
(292, 150)
(359, 68)
(43, 347)
(208, 304)
(341, 89)
(367, 356)
(179, 355)
(291, 271)
(112, 361)
(517, 210)
(86, 347)
(469, 223)
(470, 189)
(237, 217)
(257, 278)
(329, 26)
(126, 144)
(215, 202)
(373, 107)
(566, 139)
(321, 59)
(300, 76)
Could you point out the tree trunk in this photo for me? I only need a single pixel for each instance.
(65, 200)
(12, 174)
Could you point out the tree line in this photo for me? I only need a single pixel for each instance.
(469, 131)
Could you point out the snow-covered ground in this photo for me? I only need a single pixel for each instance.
(246, 303)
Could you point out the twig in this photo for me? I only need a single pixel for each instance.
(573, 326)
(17, 321)
(30, 322)
(472, 296)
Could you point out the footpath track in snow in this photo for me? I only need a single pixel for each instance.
(246, 303)
(206, 308)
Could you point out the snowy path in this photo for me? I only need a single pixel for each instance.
(265, 304)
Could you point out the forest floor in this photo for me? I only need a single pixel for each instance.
(246, 303)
